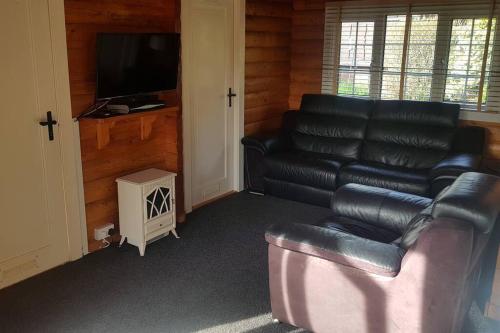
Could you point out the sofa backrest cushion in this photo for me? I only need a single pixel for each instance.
(473, 197)
(331, 125)
(410, 134)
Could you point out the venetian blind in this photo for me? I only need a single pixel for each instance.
(431, 52)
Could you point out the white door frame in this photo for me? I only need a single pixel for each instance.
(239, 101)
(72, 179)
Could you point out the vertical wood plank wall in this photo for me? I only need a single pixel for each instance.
(267, 68)
(128, 150)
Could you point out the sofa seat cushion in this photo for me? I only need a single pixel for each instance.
(312, 169)
(359, 228)
(393, 178)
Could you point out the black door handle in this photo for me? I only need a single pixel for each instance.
(230, 95)
(50, 125)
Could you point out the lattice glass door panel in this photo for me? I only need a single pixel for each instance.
(158, 202)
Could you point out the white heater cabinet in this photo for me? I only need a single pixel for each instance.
(146, 201)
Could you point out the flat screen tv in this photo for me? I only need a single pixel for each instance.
(134, 64)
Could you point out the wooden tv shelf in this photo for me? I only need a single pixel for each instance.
(146, 118)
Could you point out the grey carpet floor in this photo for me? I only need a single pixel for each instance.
(213, 279)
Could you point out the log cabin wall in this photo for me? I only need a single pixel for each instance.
(125, 144)
(267, 64)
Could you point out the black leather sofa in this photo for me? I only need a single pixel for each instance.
(407, 146)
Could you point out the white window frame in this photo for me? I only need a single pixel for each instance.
(355, 69)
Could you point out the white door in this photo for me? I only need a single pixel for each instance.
(33, 228)
(209, 66)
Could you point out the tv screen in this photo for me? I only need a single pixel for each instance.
(132, 64)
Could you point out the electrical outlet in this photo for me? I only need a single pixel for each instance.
(103, 231)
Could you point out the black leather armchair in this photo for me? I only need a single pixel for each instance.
(385, 261)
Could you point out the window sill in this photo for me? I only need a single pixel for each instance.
(493, 117)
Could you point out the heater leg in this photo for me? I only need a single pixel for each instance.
(175, 233)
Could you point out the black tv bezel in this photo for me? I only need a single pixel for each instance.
(98, 99)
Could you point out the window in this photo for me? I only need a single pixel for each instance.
(355, 58)
(465, 60)
(435, 52)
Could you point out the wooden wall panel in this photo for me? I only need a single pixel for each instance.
(127, 150)
(306, 62)
(267, 64)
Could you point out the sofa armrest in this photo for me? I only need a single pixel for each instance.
(265, 144)
(445, 172)
(255, 150)
(456, 164)
(339, 247)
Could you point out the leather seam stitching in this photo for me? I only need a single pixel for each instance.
(380, 206)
